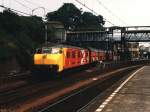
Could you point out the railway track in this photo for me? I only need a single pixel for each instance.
(38, 88)
(31, 95)
(23, 93)
(77, 101)
(15, 75)
(19, 80)
(13, 81)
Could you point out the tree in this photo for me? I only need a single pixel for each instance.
(74, 19)
(68, 14)
(90, 21)
(10, 22)
(33, 27)
(19, 35)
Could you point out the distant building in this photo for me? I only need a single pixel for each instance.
(56, 31)
(147, 49)
(144, 52)
(142, 47)
(134, 50)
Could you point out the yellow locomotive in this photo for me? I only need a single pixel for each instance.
(61, 57)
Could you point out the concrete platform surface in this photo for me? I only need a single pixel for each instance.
(131, 96)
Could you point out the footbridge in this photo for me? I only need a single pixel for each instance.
(127, 34)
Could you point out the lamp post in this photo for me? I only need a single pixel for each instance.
(44, 19)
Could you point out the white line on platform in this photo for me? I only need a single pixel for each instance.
(102, 106)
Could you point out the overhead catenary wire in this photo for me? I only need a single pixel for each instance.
(15, 10)
(22, 4)
(2, 2)
(94, 12)
(87, 7)
(35, 4)
(111, 12)
(31, 3)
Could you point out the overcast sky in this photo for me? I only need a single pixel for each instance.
(128, 12)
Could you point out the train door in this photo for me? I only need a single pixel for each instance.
(73, 60)
(67, 58)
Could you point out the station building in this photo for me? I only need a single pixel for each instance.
(134, 50)
(56, 31)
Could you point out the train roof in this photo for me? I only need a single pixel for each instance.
(94, 49)
(68, 46)
(61, 46)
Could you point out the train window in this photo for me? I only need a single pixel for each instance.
(86, 53)
(55, 51)
(73, 54)
(101, 57)
(68, 55)
(79, 54)
(46, 50)
(51, 50)
(76, 54)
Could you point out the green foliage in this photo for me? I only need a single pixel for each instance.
(19, 35)
(92, 22)
(74, 19)
(33, 26)
(68, 14)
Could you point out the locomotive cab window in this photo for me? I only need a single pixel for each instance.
(55, 51)
(68, 54)
(52, 50)
(46, 50)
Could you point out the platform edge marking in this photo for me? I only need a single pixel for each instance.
(103, 105)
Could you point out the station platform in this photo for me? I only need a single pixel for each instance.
(133, 95)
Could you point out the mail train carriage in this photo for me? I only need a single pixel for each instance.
(60, 58)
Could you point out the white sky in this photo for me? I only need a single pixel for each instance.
(132, 12)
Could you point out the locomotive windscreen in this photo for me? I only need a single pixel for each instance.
(49, 50)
